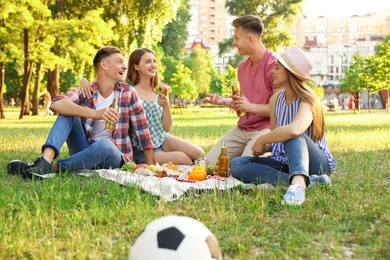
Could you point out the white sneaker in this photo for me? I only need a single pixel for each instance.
(295, 195)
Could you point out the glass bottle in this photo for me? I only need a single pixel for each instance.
(236, 91)
(223, 162)
(108, 126)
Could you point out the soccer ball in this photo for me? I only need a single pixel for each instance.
(175, 237)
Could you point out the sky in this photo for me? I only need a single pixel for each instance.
(342, 8)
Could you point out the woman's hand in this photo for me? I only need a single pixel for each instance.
(259, 148)
(85, 88)
(163, 101)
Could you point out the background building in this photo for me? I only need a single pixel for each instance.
(332, 42)
(210, 24)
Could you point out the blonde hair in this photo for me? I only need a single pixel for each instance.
(308, 95)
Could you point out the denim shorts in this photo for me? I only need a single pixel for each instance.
(139, 157)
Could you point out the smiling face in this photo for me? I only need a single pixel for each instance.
(241, 41)
(115, 67)
(147, 66)
(280, 75)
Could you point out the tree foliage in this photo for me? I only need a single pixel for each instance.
(182, 85)
(278, 17)
(201, 63)
(63, 36)
(175, 33)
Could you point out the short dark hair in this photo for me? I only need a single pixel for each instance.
(250, 23)
(104, 53)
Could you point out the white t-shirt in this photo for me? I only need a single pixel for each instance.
(98, 130)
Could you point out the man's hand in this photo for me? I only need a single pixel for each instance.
(241, 103)
(107, 114)
(215, 99)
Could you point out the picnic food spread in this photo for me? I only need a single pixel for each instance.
(198, 173)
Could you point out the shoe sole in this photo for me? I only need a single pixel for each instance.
(291, 203)
(17, 170)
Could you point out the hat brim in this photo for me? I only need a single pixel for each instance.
(287, 66)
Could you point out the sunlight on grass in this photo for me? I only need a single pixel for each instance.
(73, 217)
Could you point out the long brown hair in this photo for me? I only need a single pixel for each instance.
(132, 74)
(308, 95)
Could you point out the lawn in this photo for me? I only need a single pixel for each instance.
(73, 217)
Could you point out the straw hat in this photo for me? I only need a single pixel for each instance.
(297, 62)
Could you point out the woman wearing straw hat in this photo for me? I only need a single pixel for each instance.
(300, 154)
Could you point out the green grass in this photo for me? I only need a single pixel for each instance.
(90, 218)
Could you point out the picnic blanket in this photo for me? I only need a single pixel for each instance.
(168, 188)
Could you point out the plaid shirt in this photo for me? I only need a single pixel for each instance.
(130, 112)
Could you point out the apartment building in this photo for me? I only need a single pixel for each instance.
(210, 24)
(332, 42)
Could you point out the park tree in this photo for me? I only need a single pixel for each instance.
(139, 23)
(182, 86)
(9, 39)
(221, 82)
(175, 33)
(201, 63)
(371, 73)
(356, 78)
(318, 90)
(279, 16)
(170, 64)
(78, 28)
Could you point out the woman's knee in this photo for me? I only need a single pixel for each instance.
(235, 166)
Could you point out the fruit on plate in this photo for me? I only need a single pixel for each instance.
(129, 166)
(140, 166)
(152, 167)
(200, 168)
(211, 169)
(197, 175)
(173, 167)
(162, 89)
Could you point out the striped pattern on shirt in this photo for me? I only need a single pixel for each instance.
(285, 114)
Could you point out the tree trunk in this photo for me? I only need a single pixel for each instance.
(28, 65)
(53, 85)
(357, 101)
(369, 102)
(2, 72)
(37, 85)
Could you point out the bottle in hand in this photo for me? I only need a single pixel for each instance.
(108, 126)
(236, 91)
(223, 162)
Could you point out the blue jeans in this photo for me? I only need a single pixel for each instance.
(101, 154)
(304, 156)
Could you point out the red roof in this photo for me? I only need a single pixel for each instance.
(310, 42)
(200, 42)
